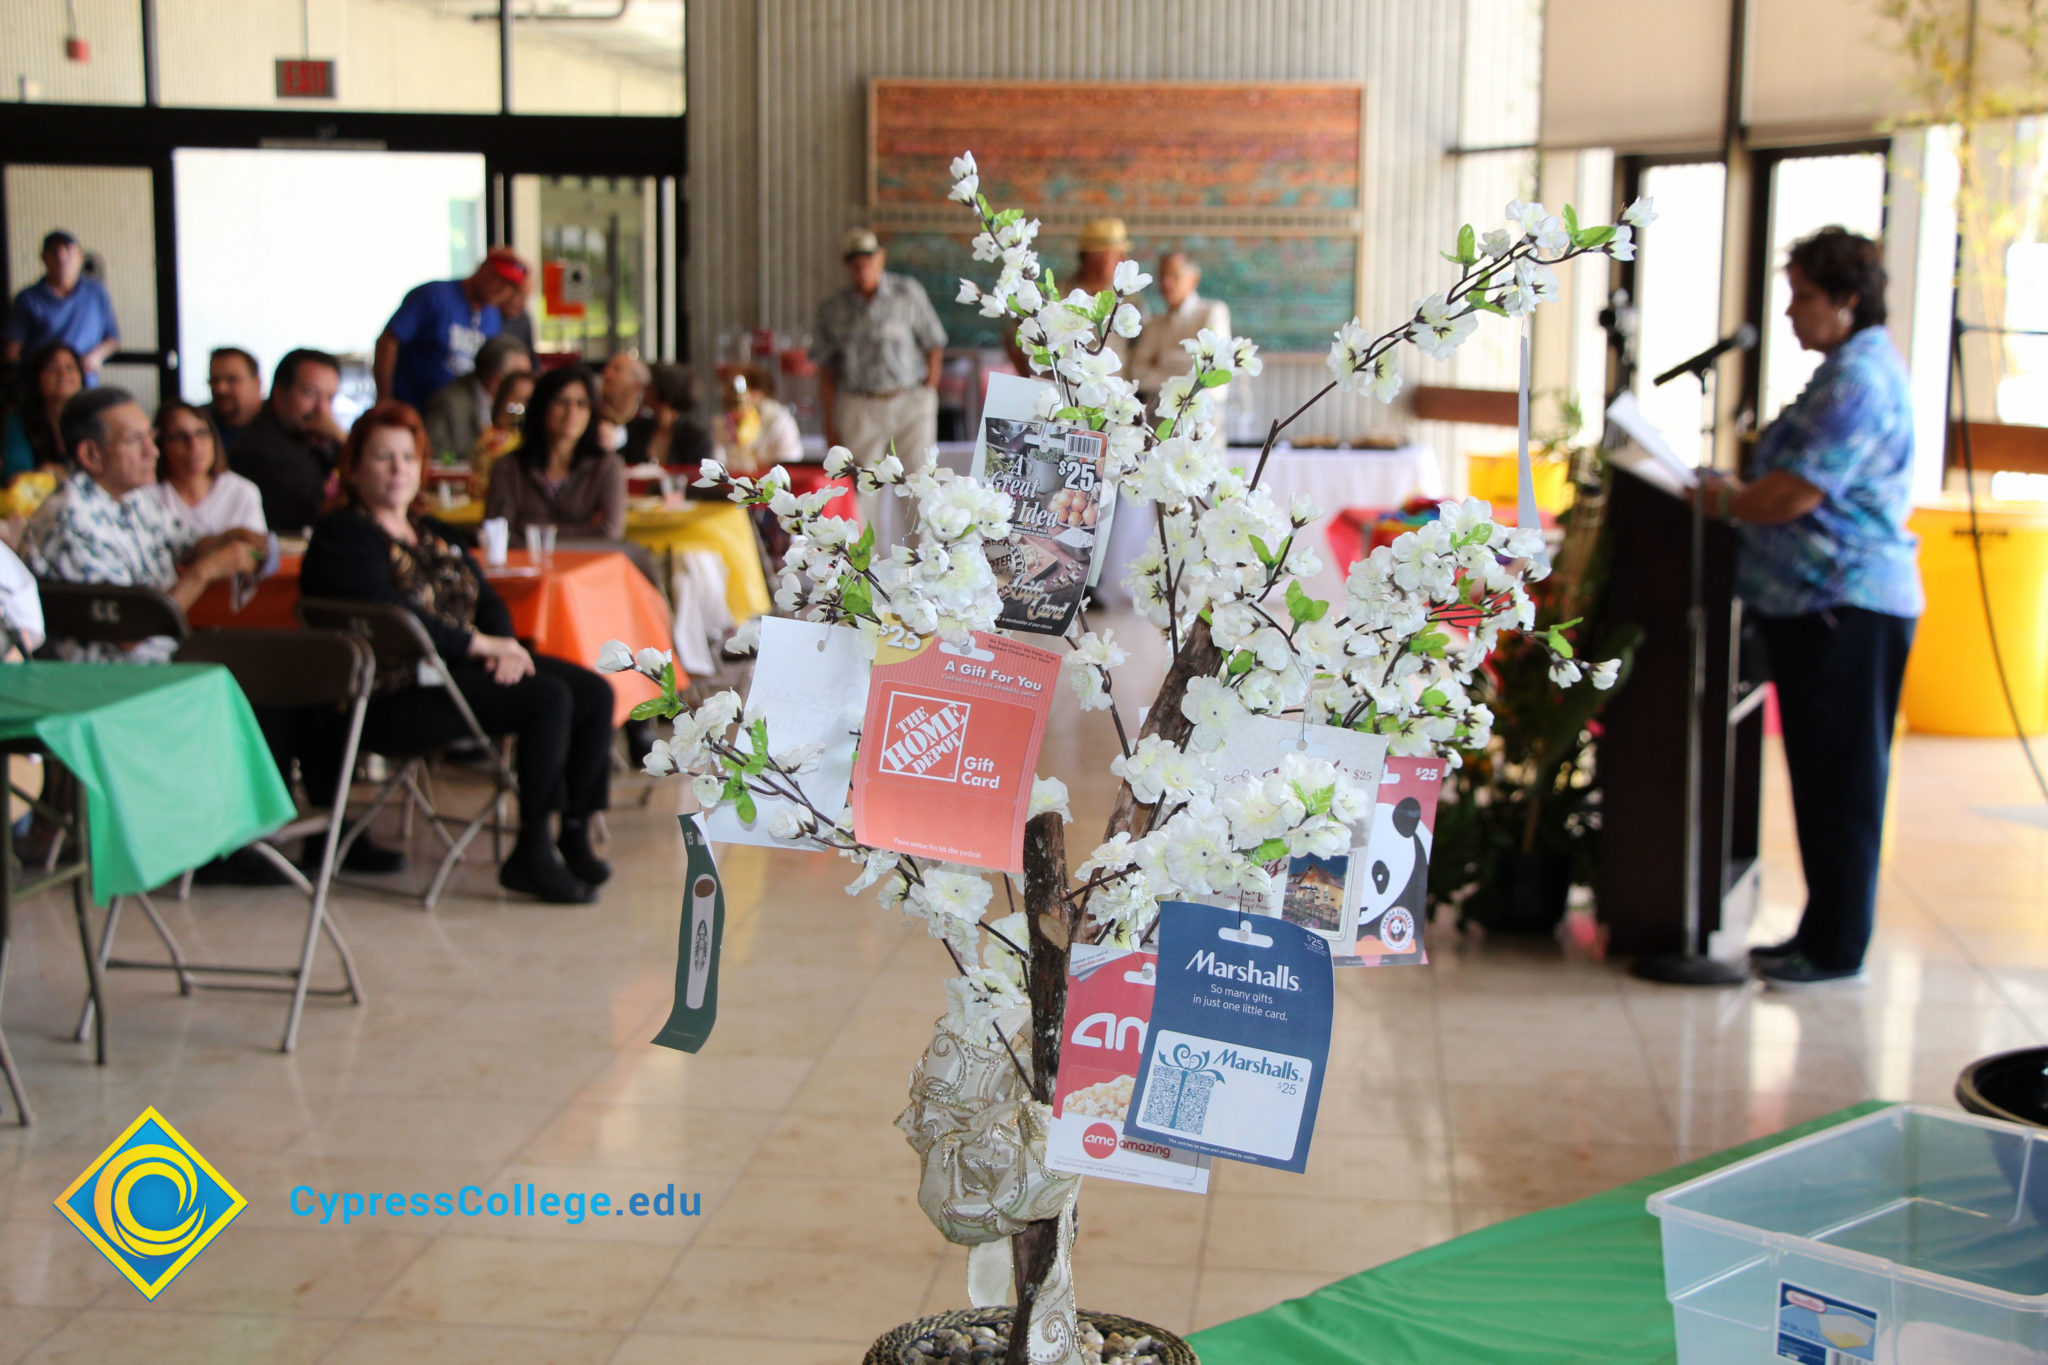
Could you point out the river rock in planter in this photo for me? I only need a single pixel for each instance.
(979, 1336)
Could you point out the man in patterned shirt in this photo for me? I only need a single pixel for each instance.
(102, 525)
(879, 348)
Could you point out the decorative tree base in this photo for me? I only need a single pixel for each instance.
(1106, 1339)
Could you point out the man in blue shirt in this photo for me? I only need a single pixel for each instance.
(63, 306)
(432, 339)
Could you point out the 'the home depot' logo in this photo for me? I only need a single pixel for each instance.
(925, 736)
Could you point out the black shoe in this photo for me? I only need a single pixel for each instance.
(1765, 954)
(243, 867)
(639, 742)
(576, 853)
(364, 855)
(1800, 973)
(535, 869)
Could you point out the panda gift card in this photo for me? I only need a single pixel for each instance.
(1394, 902)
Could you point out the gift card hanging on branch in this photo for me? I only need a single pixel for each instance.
(1395, 909)
(811, 686)
(1240, 1037)
(1053, 474)
(1109, 1005)
(1319, 892)
(950, 747)
(697, 947)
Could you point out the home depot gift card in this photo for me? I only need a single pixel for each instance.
(1109, 1006)
(950, 747)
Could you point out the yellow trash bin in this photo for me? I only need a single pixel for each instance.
(1951, 680)
(1497, 479)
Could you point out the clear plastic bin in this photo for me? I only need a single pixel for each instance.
(1912, 1236)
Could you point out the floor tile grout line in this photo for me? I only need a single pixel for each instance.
(2026, 1018)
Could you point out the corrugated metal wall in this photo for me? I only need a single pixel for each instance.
(777, 93)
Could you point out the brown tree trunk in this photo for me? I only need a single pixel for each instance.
(1035, 1251)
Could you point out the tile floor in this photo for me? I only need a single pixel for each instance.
(505, 1043)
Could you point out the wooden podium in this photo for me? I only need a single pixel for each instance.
(1643, 749)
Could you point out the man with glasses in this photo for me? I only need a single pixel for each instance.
(291, 446)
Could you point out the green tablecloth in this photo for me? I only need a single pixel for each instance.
(174, 767)
(1578, 1283)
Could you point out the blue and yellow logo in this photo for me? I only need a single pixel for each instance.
(150, 1203)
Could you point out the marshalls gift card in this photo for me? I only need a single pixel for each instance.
(950, 748)
(1240, 1037)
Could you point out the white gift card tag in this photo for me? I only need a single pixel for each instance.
(811, 685)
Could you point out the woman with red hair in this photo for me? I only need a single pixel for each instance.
(377, 547)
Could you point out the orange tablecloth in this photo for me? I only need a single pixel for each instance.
(582, 599)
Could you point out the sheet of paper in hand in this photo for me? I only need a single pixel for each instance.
(697, 947)
(950, 748)
(1320, 893)
(1109, 1004)
(811, 685)
(1053, 473)
(1396, 906)
(1240, 1037)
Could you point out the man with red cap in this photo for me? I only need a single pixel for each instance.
(433, 337)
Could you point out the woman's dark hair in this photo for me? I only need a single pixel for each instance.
(37, 421)
(675, 386)
(172, 409)
(533, 428)
(1842, 264)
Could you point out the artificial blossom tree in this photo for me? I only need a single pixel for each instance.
(1222, 578)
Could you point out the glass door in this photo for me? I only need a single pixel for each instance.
(1678, 297)
(1809, 193)
(605, 251)
(112, 211)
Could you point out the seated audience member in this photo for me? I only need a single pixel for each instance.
(433, 338)
(194, 482)
(375, 548)
(622, 395)
(672, 431)
(755, 433)
(64, 305)
(105, 524)
(561, 476)
(21, 609)
(501, 437)
(288, 450)
(29, 439)
(237, 389)
(460, 410)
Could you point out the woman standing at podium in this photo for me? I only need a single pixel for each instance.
(1831, 576)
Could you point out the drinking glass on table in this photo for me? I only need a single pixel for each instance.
(540, 544)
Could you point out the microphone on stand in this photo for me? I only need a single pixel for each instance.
(1741, 339)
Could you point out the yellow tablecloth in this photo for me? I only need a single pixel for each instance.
(720, 527)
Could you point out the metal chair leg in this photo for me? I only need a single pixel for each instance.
(163, 931)
(103, 950)
(22, 1113)
(94, 996)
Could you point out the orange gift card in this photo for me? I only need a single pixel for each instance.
(950, 748)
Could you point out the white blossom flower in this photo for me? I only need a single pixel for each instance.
(1213, 708)
(652, 661)
(1641, 213)
(1050, 794)
(963, 166)
(1127, 322)
(1563, 672)
(788, 823)
(613, 656)
(710, 474)
(708, 788)
(1497, 243)
(1129, 278)
(1440, 327)
(1605, 673)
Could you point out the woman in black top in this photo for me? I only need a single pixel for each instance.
(378, 549)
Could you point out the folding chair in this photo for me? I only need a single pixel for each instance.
(402, 647)
(107, 613)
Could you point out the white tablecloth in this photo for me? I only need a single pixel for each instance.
(1336, 479)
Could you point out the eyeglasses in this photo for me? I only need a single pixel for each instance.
(179, 438)
(515, 409)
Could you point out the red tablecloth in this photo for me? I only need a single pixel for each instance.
(582, 599)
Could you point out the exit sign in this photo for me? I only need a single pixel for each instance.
(305, 78)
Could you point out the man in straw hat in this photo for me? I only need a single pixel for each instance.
(879, 349)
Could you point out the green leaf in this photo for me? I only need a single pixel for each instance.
(1105, 304)
(981, 202)
(856, 597)
(1468, 245)
(1241, 662)
(1301, 606)
(861, 553)
(1215, 379)
(1051, 290)
(1265, 555)
(1271, 851)
(744, 804)
(1485, 305)
(1009, 216)
(758, 732)
(1592, 237)
(668, 680)
(1318, 802)
(1071, 415)
(1571, 220)
(735, 788)
(756, 764)
(1430, 644)
(1433, 699)
(1164, 429)
(1558, 644)
(650, 709)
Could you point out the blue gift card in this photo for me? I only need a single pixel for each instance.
(1240, 1035)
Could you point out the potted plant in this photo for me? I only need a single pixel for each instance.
(1222, 580)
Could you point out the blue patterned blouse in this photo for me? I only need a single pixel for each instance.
(1849, 434)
